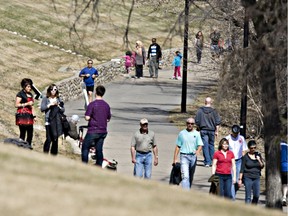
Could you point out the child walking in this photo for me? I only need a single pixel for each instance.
(129, 61)
(177, 65)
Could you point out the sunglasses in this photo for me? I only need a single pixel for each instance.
(90, 63)
(54, 89)
(190, 123)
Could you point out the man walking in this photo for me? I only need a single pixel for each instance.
(142, 144)
(97, 114)
(189, 144)
(208, 121)
(88, 74)
(214, 37)
(154, 56)
(238, 146)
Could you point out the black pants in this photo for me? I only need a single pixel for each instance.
(199, 54)
(26, 129)
(139, 71)
(49, 139)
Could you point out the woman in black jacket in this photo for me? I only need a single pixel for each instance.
(53, 106)
(250, 173)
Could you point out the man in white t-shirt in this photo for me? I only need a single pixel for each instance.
(238, 146)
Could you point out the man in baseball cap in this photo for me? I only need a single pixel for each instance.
(143, 143)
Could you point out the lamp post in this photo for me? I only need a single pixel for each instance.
(185, 56)
(243, 112)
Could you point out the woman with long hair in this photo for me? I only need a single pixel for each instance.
(24, 104)
(199, 44)
(139, 59)
(52, 105)
(223, 164)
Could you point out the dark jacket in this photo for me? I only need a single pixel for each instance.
(55, 122)
(158, 51)
(207, 118)
(175, 176)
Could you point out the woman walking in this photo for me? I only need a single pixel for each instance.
(25, 117)
(223, 163)
(250, 173)
(139, 59)
(199, 43)
(53, 106)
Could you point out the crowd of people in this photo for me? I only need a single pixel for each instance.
(235, 163)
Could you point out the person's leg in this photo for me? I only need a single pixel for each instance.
(193, 162)
(185, 171)
(204, 136)
(137, 68)
(29, 134)
(156, 66)
(86, 145)
(256, 190)
(234, 187)
(54, 147)
(22, 130)
(148, 166)
(284, 178)
(221, 185)
(200, 55)
(175, 72)
(211, 139)
(248, 188)
(141, 71)
(99, 141)
(139, 166)
(151, 68)
(47, 143)
(179, 71)
(227, 186)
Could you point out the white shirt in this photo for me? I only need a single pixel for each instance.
(237, 145)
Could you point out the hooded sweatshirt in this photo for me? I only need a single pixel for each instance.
(207, 118)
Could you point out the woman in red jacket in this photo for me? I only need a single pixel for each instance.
(223, 163)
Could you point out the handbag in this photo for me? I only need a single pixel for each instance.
(24, 118)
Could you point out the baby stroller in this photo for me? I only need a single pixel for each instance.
(107, 164)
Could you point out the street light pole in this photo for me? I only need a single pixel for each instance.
(185, 56)
(243, 113)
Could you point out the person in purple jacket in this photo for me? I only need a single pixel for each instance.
(98, 114)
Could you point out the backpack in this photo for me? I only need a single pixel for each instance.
(65, 124)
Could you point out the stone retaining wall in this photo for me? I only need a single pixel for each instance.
(70, 88)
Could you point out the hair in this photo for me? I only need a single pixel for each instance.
(221, 143)
(25, 82)
(89, 60)
(177, 52)
(128, 53)
(251, 143)
(139, 43)
(153, 40)
(48, 94)
(100, 90)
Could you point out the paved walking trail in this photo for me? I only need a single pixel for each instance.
(132, 99)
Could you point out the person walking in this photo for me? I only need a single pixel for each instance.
(143, 143)
(189, 144)
(223, 166)
(252, 163)
(98, 114)
(89, 74)
(154, 56)
(177, 65)
(52, 105)
(199, 44)
(208, 121)
(24, 103)
(238, 146)
(214, 37)
(284, 170)
(139, 59)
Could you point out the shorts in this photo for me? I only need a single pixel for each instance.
(284, 177)
(90, 88)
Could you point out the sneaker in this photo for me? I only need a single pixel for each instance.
(284, 203)
(179, 78)
(207, 165)
(173, 77)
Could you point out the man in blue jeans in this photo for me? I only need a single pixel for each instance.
(208, 121)
(189, 144)
(143, 143)
(98, 114)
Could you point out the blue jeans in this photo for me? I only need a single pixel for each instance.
(235, 186)
(93, 140)
(188, 166)
(143, 163)
(252, 184)
(225, 182)
(208, 138)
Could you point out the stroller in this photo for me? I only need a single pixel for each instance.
(107, 164)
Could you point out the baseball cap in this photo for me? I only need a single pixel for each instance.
(144, 121)
(75, 118)
(236, 129)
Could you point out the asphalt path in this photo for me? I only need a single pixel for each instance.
(132, 99)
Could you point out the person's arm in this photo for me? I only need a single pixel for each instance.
(87, 118)
(155, 152)
(198, 150)
(217, 130)
(176, 152)
(241, 171)
(133, 154)
(259, 158)
(214, 163)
